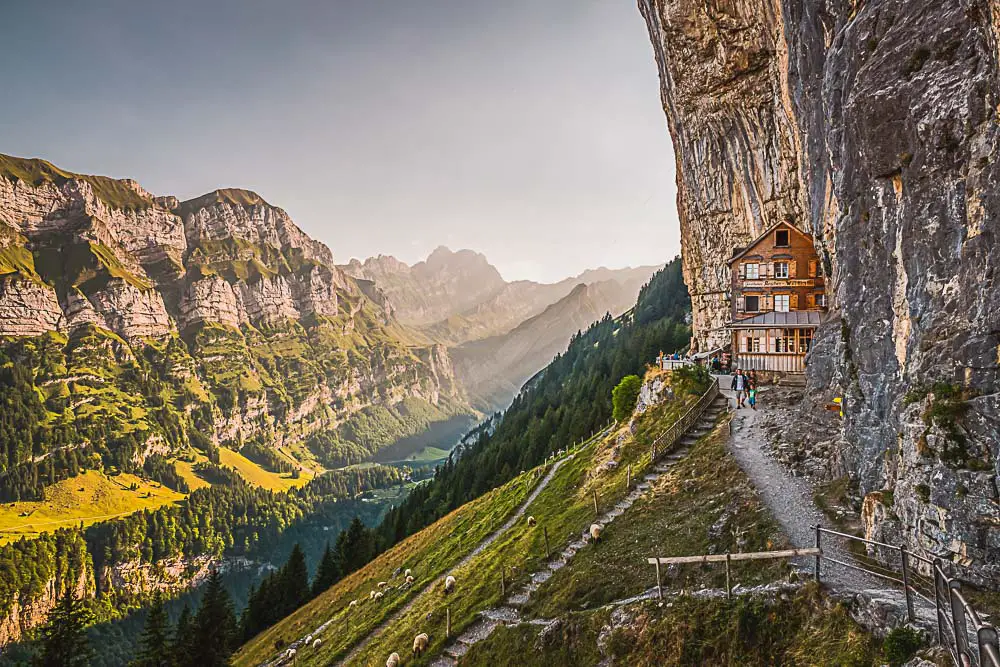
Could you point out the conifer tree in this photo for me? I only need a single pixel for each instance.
(153, 644)
(180, 642)
(328, 571)
(64, 640)
(213, 631)
(295, 590)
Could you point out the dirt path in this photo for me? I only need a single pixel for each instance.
(790, 499)
(510, 612)
(486, 542)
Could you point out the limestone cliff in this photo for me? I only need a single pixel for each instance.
(218, 315)
(873, 126)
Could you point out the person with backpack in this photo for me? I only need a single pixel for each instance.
(740, 386)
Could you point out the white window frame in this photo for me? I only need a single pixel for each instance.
(821, 299)
(780, 299)
(753, 274)
(781, 269)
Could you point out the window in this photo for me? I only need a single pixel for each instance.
(813, 268)
(751, 272)
(786, 341)
(752, 304)
(821, 299)
(781, 269)
(754, 344)
(781, 303)
(805, 340)
(781, 238)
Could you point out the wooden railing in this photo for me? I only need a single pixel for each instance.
(676, 431)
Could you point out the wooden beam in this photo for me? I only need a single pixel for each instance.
(721, 558)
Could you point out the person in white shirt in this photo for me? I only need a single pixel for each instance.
(740, 387)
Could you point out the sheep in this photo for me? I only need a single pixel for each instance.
(354, 603)
(382, 584)
(290, 653)
(409, 580)
(408, 573)
(595, 533)
(393, 660)
(317, 643)
(532, 522)
(449, 584)
(420, 643)
(378, 596)
(309, 640)
(372, 594)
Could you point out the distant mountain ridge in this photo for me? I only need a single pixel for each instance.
(502, 332)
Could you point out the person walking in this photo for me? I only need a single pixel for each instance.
(740, 386)
(752, 389)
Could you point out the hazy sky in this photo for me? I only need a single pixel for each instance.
(529, 130)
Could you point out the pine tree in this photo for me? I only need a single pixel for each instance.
(64, 640)
(153, 644)
(294, 581)
(328, 571)
(213, 631)
(180, 642)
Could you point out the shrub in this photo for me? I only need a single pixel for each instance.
(624, 396)
(900, 645)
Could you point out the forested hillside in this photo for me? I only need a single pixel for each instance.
(567, 401)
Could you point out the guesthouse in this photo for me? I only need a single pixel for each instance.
(778, 298)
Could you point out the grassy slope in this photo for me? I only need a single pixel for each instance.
(86, 498)
(565, 509)
(429, 553)
(256, 475)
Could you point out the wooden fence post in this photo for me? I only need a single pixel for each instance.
(659, 586)
(545, 532)
(816, 566)
(628, 478)
(906, 585)
(729, 587)
(447, 622)
(596, 511)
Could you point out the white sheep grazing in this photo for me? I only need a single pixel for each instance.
(382, 584)
(393, 660)
(309, 640)
(420, 643)
(408, 572)
(372, 594)
(378, 596)
(409, 580)
(290, 653)
(595, 533)
(532, 522)
(354, 603)
(449, 584)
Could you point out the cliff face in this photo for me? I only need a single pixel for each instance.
(872, 126)
(221, 305)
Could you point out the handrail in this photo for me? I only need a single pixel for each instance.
(680, 426)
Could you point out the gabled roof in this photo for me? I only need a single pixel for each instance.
(767, 232)
(795, 318)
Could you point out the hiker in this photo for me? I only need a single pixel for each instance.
(752, 389)
(740, 386)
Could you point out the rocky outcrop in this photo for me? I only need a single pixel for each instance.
(873, 126)
(228, 308)
(28, 613)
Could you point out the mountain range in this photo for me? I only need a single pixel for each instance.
(147, 325)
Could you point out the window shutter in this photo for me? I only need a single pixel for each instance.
(793, 302)
(810, 300)
(812, 268)
(766, 303)
(791, 268)
(739, 304)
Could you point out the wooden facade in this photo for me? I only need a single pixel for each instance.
(778, 297)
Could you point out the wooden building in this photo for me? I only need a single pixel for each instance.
(778, 298)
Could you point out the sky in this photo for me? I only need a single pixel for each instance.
(528, 130)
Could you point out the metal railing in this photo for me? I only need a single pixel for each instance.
(971, 641)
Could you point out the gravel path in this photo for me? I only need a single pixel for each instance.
(790, 500)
